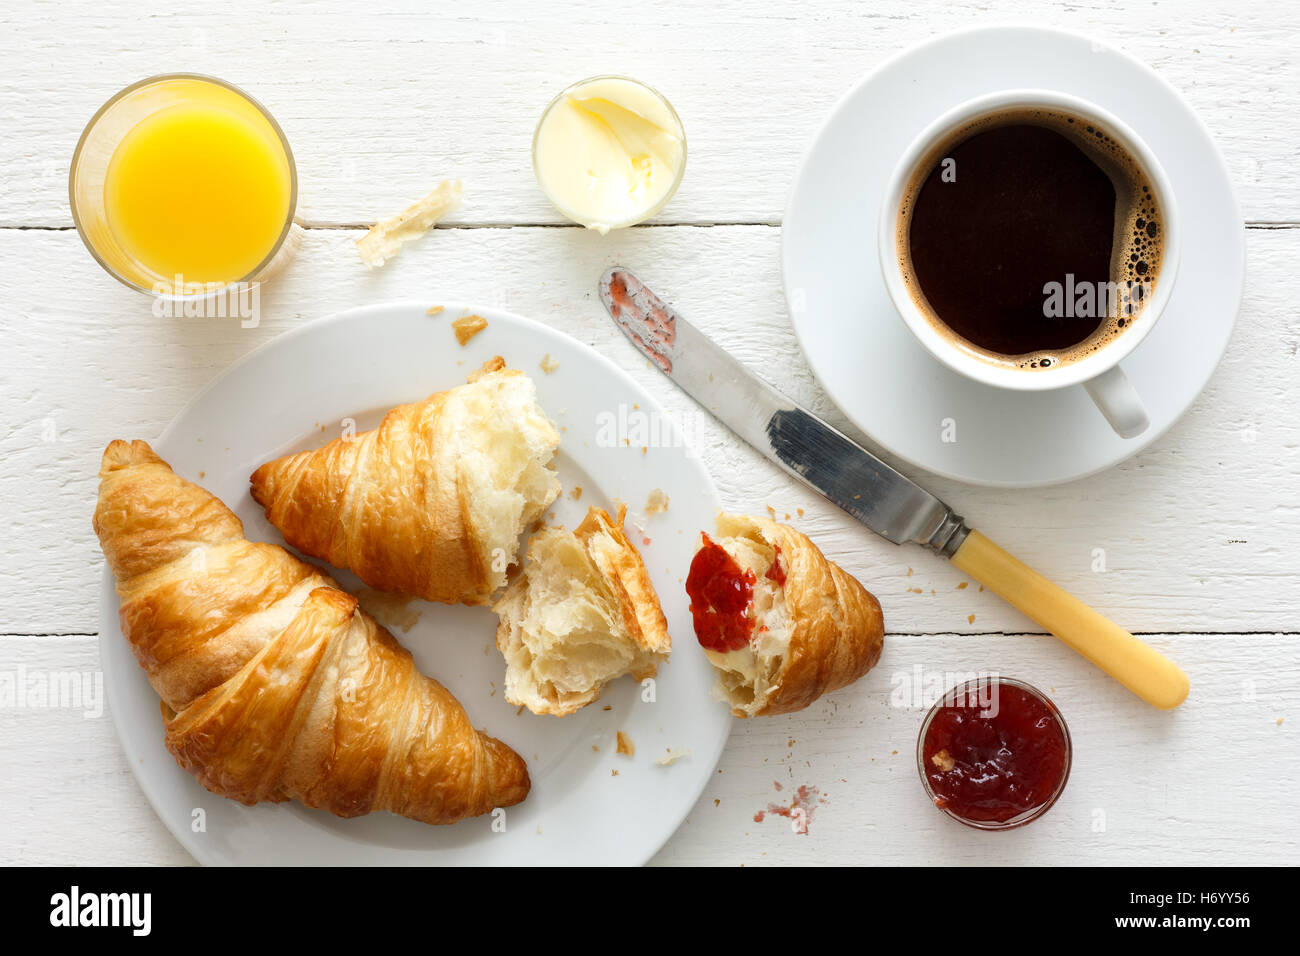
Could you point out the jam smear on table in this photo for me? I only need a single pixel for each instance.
(994, 768)
(720, 591)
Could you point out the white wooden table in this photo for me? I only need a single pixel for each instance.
(382, 100)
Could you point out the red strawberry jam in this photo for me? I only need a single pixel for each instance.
(776, 573)
(720, 591)
(994, 752)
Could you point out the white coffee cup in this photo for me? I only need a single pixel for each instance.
(1099, 372)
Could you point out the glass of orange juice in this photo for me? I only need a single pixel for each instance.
(184, 186)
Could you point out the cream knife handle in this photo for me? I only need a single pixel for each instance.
(1139, 667)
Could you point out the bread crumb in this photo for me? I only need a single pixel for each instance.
(390, 610)
(717, 803)
(595, 749)
(607, 707)
(613, 773)
(1279, 721)
(385, 238)
(495, 364)
(672, 755)
(433, 310)
(576, 493)
(970, 618)
(799, 512)
(203, 474)
(943, 760)
(548, 364)
(625, 745)
(962, 586)
(656, 503)
(468, 326)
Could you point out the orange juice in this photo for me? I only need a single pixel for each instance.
(201, 188)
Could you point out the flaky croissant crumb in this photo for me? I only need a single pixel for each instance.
(385, 238)
(673, 755)
(468, 326)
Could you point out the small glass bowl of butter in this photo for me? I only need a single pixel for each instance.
(609, 152)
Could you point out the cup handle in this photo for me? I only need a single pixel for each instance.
(1119, 402)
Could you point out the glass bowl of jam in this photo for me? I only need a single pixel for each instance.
(994, 753)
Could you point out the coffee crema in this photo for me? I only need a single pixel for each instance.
(1030, 236)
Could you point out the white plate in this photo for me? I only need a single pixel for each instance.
(899, 395)
(294, 393)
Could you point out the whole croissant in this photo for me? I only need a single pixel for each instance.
(432, 502)
(274, 684)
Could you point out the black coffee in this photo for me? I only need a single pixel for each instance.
(1031, 236)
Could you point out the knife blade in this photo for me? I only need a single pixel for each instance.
(883, 499)
(803, 445)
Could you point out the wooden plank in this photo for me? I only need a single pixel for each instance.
(381, 102)
(1198, 531)
(1207, 781)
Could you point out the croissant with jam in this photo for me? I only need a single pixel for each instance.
(780, 623)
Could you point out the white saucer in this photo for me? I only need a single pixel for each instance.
(870, 364)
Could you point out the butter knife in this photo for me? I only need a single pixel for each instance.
(888, 503)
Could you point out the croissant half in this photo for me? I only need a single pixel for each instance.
(780, 623)
(274, 684)
(582, 613)
(432, 502)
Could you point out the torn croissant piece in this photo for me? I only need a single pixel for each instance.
(433, 501)
(582, 613)
(780, 623)
(274, 684)
(386, 237)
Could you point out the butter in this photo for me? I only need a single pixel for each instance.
(609, 152)
(742, 661)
